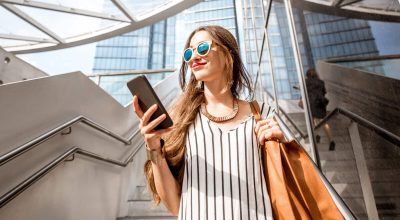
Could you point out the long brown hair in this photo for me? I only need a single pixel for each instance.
(186, 107)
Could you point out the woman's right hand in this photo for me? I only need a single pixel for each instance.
(150, 136)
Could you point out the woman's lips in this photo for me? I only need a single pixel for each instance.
(197, 66)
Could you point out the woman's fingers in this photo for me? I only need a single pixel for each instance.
(162, 132)
(267, 126)
(155, 135)
(268, 129)
(264, 124)
(270, 134)
(147, 115)
(136, 107)
(149, 127)
(259, 125)
(261, 137)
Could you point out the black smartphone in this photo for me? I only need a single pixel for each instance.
(141, 87)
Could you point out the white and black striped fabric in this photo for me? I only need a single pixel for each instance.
(223, 174)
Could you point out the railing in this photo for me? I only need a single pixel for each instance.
(44, 137)
(379, 130)
(14, 192)
(290, 120)
(133, 72)
(362, 58)
(98, 76)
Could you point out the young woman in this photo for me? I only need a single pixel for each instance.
(208, 167)
(318, 102)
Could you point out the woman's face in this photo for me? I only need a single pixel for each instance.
(211, 66)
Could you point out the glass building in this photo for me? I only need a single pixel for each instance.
(209, 12)
(143, 49)
(320, 36)
(158, 46)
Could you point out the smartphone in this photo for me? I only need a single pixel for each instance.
(141, 87)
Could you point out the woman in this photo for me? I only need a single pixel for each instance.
(209, 166)
(318, 102)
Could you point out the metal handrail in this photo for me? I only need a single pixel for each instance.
(393, 138)
(133, 72)
(362, 58)
(7, 197)
(287, 116)
(14, 192)
(44, 137)
(302, 135)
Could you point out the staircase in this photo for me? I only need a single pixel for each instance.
(140, 205)
(340, 167)
(101, 184)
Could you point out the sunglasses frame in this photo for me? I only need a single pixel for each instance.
(210, 42)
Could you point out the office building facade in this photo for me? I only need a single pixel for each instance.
(320, 36)
(160, 45)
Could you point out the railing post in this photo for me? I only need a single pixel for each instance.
(362, 171)
(300, 73)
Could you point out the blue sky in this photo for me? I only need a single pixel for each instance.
(73, 59)
(387, 37)
(81, 58)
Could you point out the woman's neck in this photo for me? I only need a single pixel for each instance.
(216, 94)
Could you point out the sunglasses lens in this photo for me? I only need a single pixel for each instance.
(203, 48)
(187, 54)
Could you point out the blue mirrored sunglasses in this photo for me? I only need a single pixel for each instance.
(202, 49)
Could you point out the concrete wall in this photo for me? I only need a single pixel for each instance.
(13, 69)
(83, 188)
(374, 97)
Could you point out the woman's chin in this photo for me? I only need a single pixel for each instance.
(200, 75)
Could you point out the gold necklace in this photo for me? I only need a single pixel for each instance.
(223, 118)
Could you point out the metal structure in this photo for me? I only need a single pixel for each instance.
(116, 17)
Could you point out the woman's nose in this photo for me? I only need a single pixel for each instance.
(195, 56)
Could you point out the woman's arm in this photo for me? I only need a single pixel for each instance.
(166, 185)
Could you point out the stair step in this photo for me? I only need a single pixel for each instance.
(331, 165)
(348, 176)
(146, 217)
(145, 209)
(337, 155)
(348, 190)
(324, 146)
(356, 205)
(386, 189)
(374, 165)
(388, 207)
(140, 193)
(351, 176)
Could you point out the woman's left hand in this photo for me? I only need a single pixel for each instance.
(268, 129)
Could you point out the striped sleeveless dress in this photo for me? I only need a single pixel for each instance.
(223, 174)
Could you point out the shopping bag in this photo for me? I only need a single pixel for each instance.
(295, 189)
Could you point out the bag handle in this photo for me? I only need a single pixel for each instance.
(255, 108)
